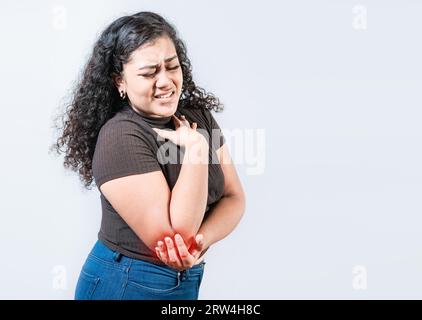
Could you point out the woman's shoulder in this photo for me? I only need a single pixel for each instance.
(124, 128)
(122, 120)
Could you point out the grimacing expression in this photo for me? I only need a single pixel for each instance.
(153, 79)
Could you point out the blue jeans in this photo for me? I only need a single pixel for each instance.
(108, 275)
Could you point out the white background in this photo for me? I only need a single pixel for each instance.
(340, 105)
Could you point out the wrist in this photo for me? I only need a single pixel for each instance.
(198, 141)
(197, 152)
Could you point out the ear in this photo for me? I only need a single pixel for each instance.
(118, 82)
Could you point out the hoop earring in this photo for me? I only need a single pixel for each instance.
(123, 95)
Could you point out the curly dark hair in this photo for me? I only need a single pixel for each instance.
(95, 98)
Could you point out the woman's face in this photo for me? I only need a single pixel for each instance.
(151, 75)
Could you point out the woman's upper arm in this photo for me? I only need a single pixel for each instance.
(142, 200)
(232, 184)
(128, 174)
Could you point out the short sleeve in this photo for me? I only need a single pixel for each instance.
(122, 151)
(217, 136)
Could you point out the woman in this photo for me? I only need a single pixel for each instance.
(140, 127)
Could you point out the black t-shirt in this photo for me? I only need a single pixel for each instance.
(127, 145)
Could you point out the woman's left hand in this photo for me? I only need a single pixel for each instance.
(176, 255)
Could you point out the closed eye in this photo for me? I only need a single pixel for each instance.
(150, 75)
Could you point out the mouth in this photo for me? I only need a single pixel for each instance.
(165, 96)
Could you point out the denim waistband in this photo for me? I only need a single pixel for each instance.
(116, 259)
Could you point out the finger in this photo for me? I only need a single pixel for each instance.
(178, 121)
(171, 250)
(157, 252)
(184, 254)
(160, 255)
(184, 120)
(163, 252)
(194, 125)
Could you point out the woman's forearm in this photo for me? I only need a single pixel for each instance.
(190, 193)
(223, 218)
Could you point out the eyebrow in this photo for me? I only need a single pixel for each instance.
(156, 65)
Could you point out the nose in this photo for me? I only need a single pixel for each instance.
(163, 80)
